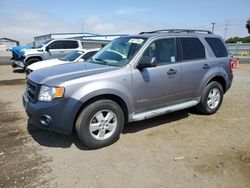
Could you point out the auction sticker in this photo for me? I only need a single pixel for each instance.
(136, 41)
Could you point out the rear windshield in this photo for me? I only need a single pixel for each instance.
(217, 46)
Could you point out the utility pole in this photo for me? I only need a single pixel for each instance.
(226, 29)
(213, 27)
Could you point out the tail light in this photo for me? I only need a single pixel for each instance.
(232, 65)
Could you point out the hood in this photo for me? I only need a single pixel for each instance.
(56, 75)
(46, 63)
(19, 50)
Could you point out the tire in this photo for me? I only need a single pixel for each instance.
(31, 61)
(211, 98)
(100, 124)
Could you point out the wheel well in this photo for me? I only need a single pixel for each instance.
(114, 98)
(37, 57)
(221, 80)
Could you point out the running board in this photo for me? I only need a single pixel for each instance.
(164, 110)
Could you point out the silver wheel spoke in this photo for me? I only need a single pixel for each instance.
(210, 96)
(110, 127)
(94, 127)
(109, 117)
(100, 117)
(101, 133)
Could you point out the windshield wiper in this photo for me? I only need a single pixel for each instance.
(101, 60)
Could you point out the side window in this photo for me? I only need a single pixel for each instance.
(164, 50)
(70, 44)
(192, 49)
(56, 45)
(217, 46)
(88, 55)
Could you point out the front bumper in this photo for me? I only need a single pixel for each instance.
(16, 63)
(55, 115)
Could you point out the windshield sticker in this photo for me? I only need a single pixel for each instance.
(136, 41)
(80, 53)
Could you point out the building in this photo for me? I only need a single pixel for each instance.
(239, 49)
(6, 44)
(89, 40)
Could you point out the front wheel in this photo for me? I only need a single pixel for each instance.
(211, 99)
(100, 124)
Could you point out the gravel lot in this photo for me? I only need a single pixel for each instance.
(182, 149)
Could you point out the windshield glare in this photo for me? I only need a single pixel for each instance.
(119, 52)
(43, 43)
(72, 56)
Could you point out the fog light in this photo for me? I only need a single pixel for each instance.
(45, 120)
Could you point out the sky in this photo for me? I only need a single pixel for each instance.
(24, 19)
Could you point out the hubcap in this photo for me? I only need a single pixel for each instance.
(103, 124)
(213, 98)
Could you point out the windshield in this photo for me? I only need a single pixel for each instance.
(43, 43)
(72, 56)
(118, 52)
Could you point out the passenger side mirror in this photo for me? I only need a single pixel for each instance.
(146, 61)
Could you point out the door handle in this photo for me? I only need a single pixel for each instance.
(205, 66)
(172, 72)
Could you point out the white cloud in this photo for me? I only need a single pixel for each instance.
(130, 11)
(24, 27)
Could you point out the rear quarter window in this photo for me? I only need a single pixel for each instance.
(192, 49)
(217, 47)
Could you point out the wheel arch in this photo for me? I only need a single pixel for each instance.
(32, 57)
(112, 97)
(219, 79)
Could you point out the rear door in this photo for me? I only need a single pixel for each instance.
(158, 86)
(194, 66)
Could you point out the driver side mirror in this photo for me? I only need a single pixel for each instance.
(47, 48)
(146, 62)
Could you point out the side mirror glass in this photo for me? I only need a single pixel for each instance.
(146, 61)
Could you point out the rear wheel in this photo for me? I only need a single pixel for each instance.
(100, 124)
(211, 99)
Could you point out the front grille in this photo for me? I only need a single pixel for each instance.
(32, 90)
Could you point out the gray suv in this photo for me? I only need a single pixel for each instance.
(131, 79)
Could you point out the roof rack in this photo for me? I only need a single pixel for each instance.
(178, 31)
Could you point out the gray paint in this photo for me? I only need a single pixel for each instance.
(146, 93)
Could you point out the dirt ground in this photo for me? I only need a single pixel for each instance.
(182, 149)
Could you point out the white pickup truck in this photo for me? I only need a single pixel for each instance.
(23, 56)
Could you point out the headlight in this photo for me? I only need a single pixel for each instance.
(48, 93)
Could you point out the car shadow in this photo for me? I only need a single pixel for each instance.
(156, 121)
(52, 139)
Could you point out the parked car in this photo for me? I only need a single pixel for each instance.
(72, 57)
(23, 56)
(159, 72)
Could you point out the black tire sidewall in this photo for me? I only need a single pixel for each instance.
(83, 121)
(31, 61)
(203, 106)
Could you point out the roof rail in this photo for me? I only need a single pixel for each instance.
(178, 31)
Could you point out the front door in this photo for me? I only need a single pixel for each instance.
(158, 86)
